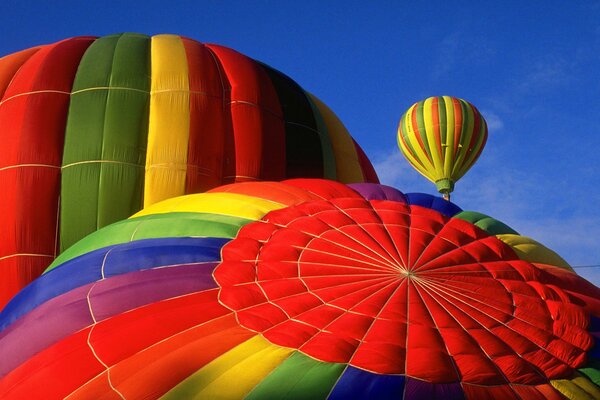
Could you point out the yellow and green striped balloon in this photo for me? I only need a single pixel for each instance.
(442, 137)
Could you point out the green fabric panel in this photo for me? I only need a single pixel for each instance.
(328, 154)
(105, 140)
(155, 226)
(422, 129)
(299, 377)
(488, 224)
(443, 125)
(592, 370)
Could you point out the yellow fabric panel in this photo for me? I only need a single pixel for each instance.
(234, 374)
(347, 166)
(529, 250)
(449, 145)
(412, 138)
(578, 388)
(169, 124)
(407, 127)
(237, 205)
(430, 132)
(460, 166)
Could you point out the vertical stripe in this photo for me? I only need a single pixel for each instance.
(258, 147)
(329, 169)
(210, 122)
(10, 64)
(369, 174)
(347, 165)
(246, 365)
(449, 132)
(303, 145)
(169, 122)
(431, 127)
(105, 138)
(32, 125)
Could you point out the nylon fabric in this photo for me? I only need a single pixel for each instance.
(298, 377)
(105, 139)
(346, 159)
(533, 251)
(169, 121)
(154, 226)
(230, 204)
(247, 365)
(35, 101)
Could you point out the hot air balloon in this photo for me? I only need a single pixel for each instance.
(304, 289)
(93, 129)
(442, 137)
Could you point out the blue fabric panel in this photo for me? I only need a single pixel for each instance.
(90, 267)
(436, 203)
(359, 384)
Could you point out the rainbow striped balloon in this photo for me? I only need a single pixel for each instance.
(93, 129)
(442, 137)
(304, 289)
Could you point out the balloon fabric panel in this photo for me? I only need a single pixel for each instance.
(347, 166)
(10, 64)
(169, 121)
(306, 153)
(210, 119)
(30, 175)
(257, 120)
(105, 139)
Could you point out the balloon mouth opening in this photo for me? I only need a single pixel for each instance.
(444, 186)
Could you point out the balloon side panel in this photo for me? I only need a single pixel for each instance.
(257, 120)
(210, 120)
(32, 124)
(304, 148)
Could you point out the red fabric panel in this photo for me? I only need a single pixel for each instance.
(53, 373)
(274, 191)
(368, 171)
(32, 125)
(257, 120)
(210, 120)
(10, 64)
(143, 375)
(322, 188)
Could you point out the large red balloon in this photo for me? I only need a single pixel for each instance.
(94, 128)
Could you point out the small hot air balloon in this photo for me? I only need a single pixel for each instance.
(442, 137)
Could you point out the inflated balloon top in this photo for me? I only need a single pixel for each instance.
(304, 289)
(442, 137)
(93, 129)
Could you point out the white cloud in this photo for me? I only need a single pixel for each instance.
(493, 120)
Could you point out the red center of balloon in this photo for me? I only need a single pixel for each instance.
(396, 289)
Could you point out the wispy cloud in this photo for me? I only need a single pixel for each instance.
(493, 120)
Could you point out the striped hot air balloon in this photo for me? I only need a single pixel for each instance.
(442, 137)
(93, 129)
(304, 289)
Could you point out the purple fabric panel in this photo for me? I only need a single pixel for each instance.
(374, 191)
(420, 390)
(128, 291)
(43, 326)
(68, 313)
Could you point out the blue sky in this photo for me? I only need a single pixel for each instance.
(532, 68)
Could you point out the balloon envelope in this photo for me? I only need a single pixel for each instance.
(302, 288)
(93, 129)
(442, 137)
